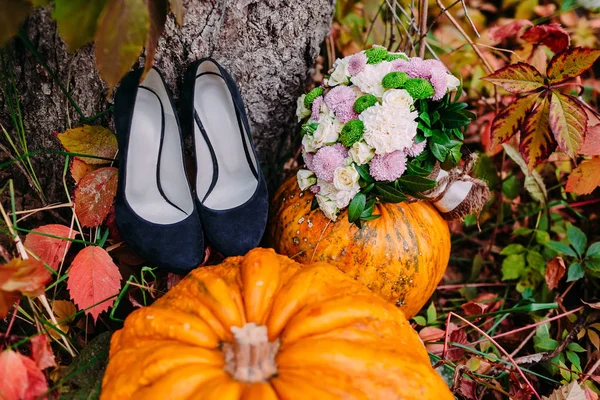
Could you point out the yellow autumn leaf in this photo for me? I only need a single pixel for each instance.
(90, 140)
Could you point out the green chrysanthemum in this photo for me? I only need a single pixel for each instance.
(363, 102)
(312, 95)
(376, 55)
(419, 88)
(395, 56)
(394, 80)
(352, 132)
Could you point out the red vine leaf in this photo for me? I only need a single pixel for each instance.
(550, 35)
(517, 78)
(570, 64)
(537, 142)
(20, 377)
(591, 143)
(49, 249)
(41, 352)
(585, 178)
(122, 29)
(26, 276)
(568, 122)
(94, 196)
(508, 121)
(510, 30)
(555, 270)
(94, 280)
(91, 140)
(157, 10)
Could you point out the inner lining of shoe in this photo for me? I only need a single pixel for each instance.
(220, 138)
(142, 177)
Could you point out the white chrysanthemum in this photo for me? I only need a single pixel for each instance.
(398, 98)
(389, 128)
(340, 73)
(369, 80)
(301, 110)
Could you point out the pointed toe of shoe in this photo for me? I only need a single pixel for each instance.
(178, 247)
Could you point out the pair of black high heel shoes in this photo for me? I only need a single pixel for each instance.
(157, 212)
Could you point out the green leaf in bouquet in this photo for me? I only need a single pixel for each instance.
(417, 183)
(435, 117)
(371, 217)
(413, 169)
(314, 205)
(356, 207)
(454, 119)
(389, 194)
(441, 137)
(426, 130)
(368, 187)
(438, 151)
(425, 118)
(455, 153)
(363, 171)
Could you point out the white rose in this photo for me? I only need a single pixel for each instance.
(398, 98)
(308, 141)
(306, 179)
(452, 82)
(369, 79)
(327, 132)
(301, 110)
(361, 153)
(340, 74)
(344, 197)
(327, 206)
(345, 178)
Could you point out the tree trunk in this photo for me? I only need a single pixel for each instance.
(269, 46)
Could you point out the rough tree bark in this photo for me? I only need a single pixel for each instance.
(268, 45)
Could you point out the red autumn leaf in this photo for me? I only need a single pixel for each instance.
(20, 377)
(568, 122)
(537, 142)
(555, 270)
(474, 308)
(570, 64)
(94, 280)
(589, 394)
(455, 353)
(94, 196)
(7, 299)
(111, 224)
(507, 31)
(591, 143)
(517, 78)
(50, 250)
(585, 178)
(431, 334)
(508, 121)
(28, 277)
(41, 352)
(550, 35)
(80, 168)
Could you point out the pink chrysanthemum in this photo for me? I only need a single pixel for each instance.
(308, 159)
(346, 112)
(416, 149)
(388, 167)
(357, 63)
(340, 100)
(316, 108)
(416, 67)
(327, 159)
(315, 189)
(439, 81)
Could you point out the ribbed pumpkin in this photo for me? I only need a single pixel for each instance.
(264, 327)
(401, 256)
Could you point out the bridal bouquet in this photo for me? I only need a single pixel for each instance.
(375, 130)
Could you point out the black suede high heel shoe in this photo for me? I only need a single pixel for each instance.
(154, 208)
(231, 191)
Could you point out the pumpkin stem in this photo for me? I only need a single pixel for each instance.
(251, 358)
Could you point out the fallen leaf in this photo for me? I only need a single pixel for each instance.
(65, 311)
(20, 377)
(41, 352)
(431, 334)
(173, 279)
(595, 306)
(591, 143)
(474, 308)
(80, 168)
(94, 280)
(508, 31)
(94, 196)
(555, 270)
(92, 140)
(50, 250)
(568, 122)
(517, 78)
(157, 11)
(572, 391)
(590, 394)
(455, 353)
(550, 35)
(76, 20)
(120, 37)
(570, 64)
(585, 178)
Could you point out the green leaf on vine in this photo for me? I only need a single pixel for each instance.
(77, 20)
(517, 78)
(570, 64)
(568, 122)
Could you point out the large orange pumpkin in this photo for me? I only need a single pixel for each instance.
(401, 256)
(264, 327)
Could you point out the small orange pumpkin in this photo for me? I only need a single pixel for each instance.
(402, 255)
(264, 327)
